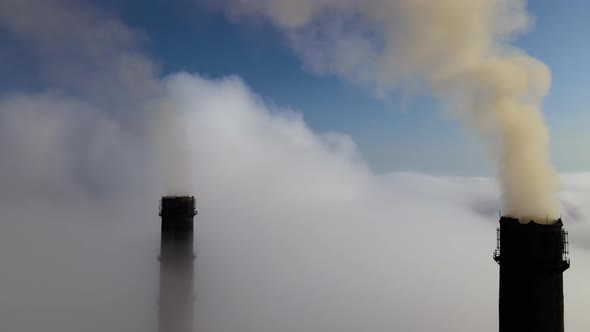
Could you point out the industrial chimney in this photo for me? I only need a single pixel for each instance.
(176, 264)
(532, 259)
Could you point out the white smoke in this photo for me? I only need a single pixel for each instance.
(288, 217)
(459, 49)
(89, 60)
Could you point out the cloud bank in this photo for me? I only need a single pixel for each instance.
(294, 233)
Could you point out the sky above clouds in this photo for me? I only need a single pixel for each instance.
(302, 224)
(403, 133)
(205, 41)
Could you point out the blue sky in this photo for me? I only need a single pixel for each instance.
(401, 133)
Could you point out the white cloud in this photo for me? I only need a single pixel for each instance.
(294, 233)
(312, 241)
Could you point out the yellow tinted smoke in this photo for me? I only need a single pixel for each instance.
(460, 49)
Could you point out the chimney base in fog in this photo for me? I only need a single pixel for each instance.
(176, 264)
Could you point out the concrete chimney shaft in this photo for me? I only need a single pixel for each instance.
(176, 264)
(532, 259)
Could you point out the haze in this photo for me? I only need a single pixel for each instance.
(295, 231)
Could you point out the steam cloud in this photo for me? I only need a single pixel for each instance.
(288, 217)
(459, 49)
(96, 71)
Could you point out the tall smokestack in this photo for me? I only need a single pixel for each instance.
(532, 259)
(176, 264)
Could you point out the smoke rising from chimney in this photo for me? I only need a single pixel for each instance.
(170, 139)
(459, 49)
(94, 58)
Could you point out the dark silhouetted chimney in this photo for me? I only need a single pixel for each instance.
(532, 259)
(176, 264)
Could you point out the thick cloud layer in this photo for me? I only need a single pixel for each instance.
(314, 242)
(294, 233)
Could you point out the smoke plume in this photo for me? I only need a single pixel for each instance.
(288, 217)
(458, 49)
(91, 63)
